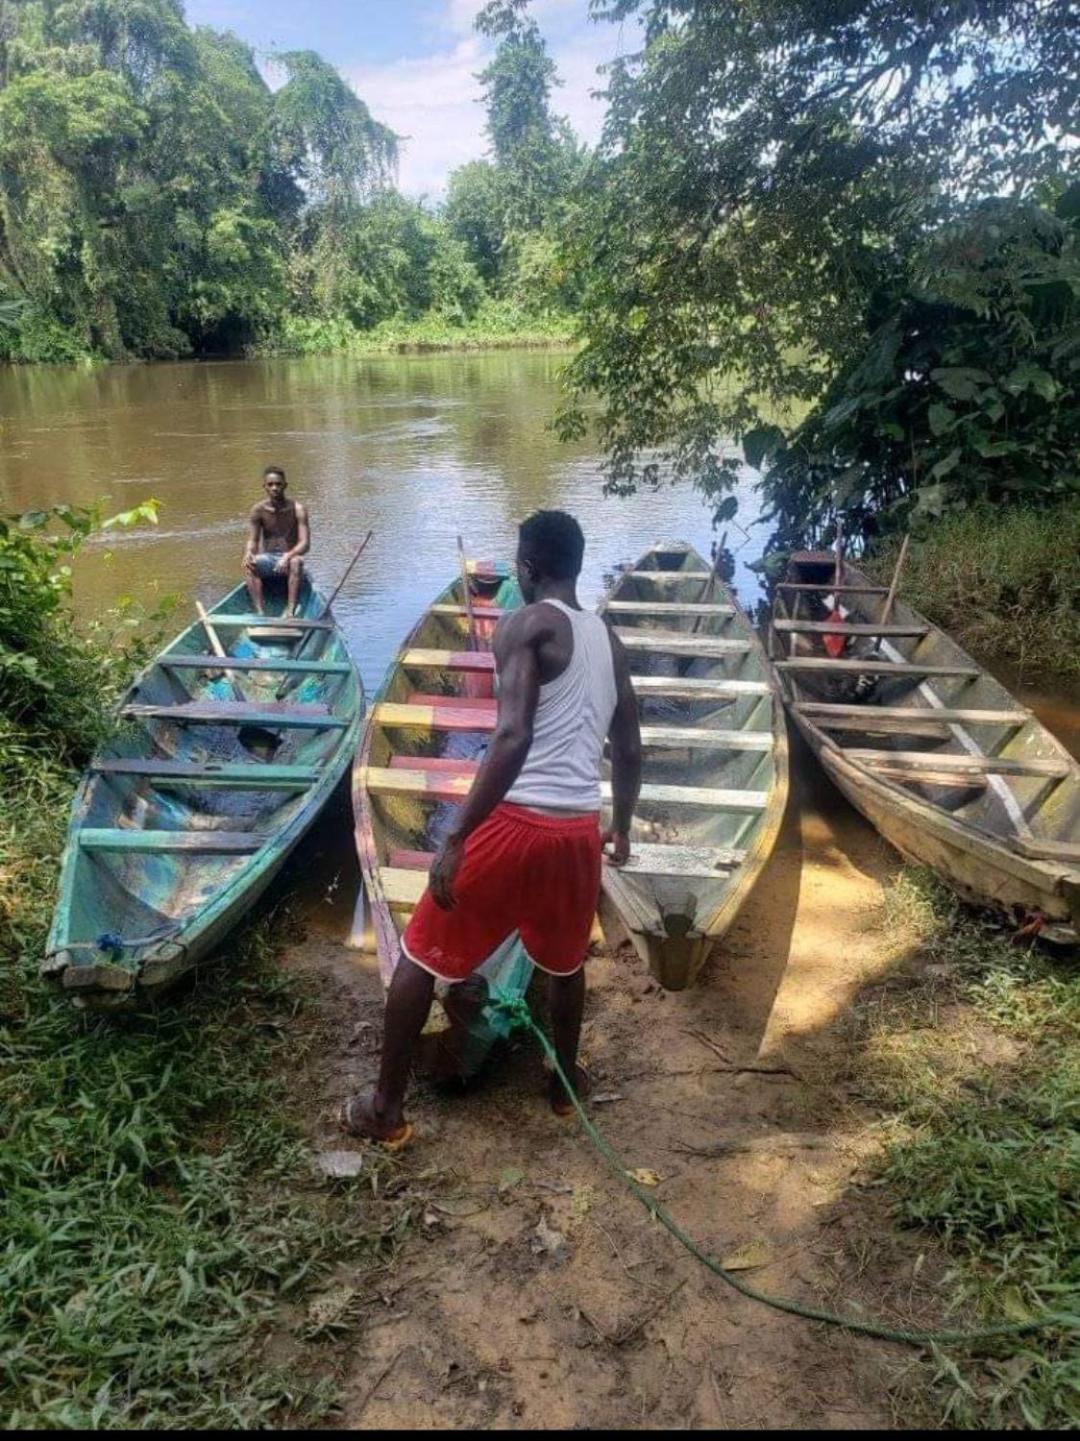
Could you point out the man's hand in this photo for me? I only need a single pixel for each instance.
(444, 868)
(619, 841)
(282, 566)
(248, 563)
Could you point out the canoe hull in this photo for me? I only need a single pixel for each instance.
(135, 916)
(461, 1029)
(675, 925)
(985, 796)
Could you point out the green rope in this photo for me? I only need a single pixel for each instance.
(517, 1012)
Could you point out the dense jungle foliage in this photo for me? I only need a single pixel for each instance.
(843, 232)
(158, 198)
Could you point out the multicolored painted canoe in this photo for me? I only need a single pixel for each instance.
(426, 732)
(947, 765)
(216, 769)
(715, 777)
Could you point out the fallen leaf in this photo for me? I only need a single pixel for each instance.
(509, 1178)
(546, 1241)
(581, 1203)
(748, 1257)
(606, 1098)
(645, 1177)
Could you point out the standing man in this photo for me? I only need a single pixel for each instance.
(278, 535)
(524, 855)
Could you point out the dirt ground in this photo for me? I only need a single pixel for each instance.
(537, 1292)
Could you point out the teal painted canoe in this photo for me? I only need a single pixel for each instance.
(427, 728)
(214, 771)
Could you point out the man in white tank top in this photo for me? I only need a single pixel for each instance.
(524, 854)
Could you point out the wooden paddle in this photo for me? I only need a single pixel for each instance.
(218, 649)
(890, 599)
(709, 589)
(290, 680)
(467, 595)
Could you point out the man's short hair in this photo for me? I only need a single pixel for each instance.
(274, 470)
(554, 542)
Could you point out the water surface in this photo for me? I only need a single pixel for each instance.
(417, 448)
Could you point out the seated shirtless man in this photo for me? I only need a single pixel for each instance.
(278, 535)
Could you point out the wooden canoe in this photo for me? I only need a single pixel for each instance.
(427, 727)
(938, 756)
(715, 777)
(186, 814)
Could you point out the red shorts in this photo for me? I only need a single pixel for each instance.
(522, 871)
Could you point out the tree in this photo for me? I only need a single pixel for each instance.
(474, 213)
(766, 174)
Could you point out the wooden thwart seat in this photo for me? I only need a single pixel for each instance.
(829, 627)
(270, 715)
(666, 576)
(423, 715)
(697, 688)
(828, 714)
(876, 667)
(225, 774)
(705, 738)
(679, 642)
(449, 780)
(453, 660)
(207, 841)
(479, 611)
(977, 765)
(827, 588)
(668, 608)
(268, 663)
(254, 621)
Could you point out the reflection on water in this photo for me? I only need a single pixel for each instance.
(417, 448)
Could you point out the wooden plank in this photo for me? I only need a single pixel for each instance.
(1047, 850)
(955, 780)
(480, 612)
(255, 622)
(695, 688)
(270, 715)
(411, 860)
(825, 627)
(663, 577)
(705, 738)
(451, 660)
(921, 715)
(402, 887)
(669, 607)
(267, 663)
(454, 702)
(827, 588)
(447, 765)
(674, 642)
(876, 667)
(496, 569)
(225, 774)
(166, 842)
(435, 718)
(441, 783)
(979, 765)
(691, 862)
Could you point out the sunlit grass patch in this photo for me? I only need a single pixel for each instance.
(976, 1061)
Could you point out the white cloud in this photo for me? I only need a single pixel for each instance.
(434, 100)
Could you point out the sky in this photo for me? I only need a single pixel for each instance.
(415, 61)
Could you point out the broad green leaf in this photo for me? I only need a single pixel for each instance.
(941, 418)
(760, 444)
(960, 381)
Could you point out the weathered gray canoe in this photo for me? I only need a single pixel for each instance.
(948, 766)
(716, 771)
(187, 814)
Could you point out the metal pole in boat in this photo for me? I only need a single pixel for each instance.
(289, 680)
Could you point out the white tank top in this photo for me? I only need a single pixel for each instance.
(573, 716)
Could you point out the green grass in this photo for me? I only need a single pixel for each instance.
(977, 1065)
(1005, 583)
(159, 1209)
(497, 324)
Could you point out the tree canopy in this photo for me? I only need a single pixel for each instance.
(771, 179)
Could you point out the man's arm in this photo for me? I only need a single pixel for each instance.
(516, 643)
(251, 549)
(303, 538)
(624, 737)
